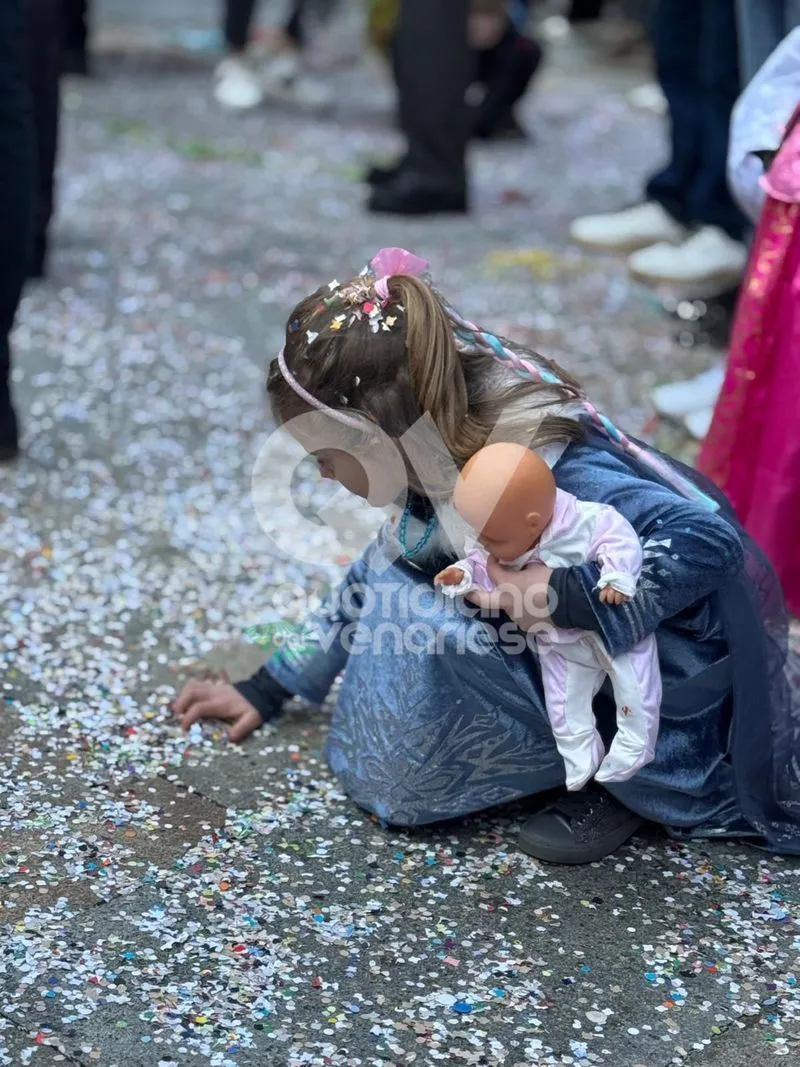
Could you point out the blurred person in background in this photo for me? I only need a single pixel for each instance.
(439, 52)
(44, 55)
(16, 200)
(507, 58)
(240, 84)
(752, 450)
(688, 231)
(763, 24)
(432, 69)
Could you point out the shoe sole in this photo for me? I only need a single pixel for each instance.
(580, 854)
(626, 248)
(418, 212)
(708, 285)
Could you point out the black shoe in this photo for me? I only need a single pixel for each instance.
(378, 175)
(412, 193)
(9, 431)
(580, 827)
(506, 128)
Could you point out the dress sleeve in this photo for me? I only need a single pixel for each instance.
(758, 122)
(688, 552)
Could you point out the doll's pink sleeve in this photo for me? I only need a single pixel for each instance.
(478, 559)
(476, 576)
(618, 550)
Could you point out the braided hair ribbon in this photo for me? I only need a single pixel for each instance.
(469, 337)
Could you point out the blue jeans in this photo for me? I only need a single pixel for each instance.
(696, 53)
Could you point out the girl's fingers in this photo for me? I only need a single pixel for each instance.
(487, 601)
(244, 725)
(207, 709)
(188, 695)
(498, 573)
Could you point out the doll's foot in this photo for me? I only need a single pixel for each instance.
(582, 764)
(579, 828)
(622, 762)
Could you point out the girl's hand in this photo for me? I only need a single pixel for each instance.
(522, 595)
(216, 700)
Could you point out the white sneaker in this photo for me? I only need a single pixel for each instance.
(679, 399)
(648, 97)
(698, 423)
(626, 231)
(284, 80)
(236, 85)
(708, 256)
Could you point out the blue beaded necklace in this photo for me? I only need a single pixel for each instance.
(402, 528)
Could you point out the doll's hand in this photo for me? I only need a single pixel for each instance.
(449, 576)
(217, 700)
(523, 595)
(609, 595)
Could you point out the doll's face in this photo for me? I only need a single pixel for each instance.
(507, 494)
(510, 530)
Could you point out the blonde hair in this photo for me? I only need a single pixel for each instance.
(393, 377)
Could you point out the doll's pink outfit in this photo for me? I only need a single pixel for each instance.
(575, 662)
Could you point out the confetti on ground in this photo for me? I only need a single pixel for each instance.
(171, 899)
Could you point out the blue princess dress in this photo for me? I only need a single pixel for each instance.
(444, 720)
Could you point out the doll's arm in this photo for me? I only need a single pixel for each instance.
(618, 550)
(467, 574)
(691, 552)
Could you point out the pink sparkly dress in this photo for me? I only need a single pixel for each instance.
(752, 450)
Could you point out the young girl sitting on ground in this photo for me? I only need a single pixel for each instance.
(383, 367)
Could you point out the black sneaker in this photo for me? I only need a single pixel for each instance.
(579, 827)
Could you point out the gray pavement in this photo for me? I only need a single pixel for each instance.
(171, 900)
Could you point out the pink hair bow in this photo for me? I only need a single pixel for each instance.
(391, 261)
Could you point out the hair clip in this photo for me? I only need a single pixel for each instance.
(294, 326)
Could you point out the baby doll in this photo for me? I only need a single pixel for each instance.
(508, 493)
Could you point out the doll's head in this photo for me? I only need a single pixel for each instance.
(507, 494)
(373, 355)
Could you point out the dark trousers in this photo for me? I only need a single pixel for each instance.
(16, 176)
(585, 10)
(433, 66)
(697, 66)
(239, 21)
(43, 51)
(74, 29)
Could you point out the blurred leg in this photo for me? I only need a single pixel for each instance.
(434, 68)
(43, 56)
(761, 29)
(16, 152)
(676, 29)
(708, 197)
(238, 23)
(585, 10)
(74, 33)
